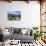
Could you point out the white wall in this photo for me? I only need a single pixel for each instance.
(30, 14)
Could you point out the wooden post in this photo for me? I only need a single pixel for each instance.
(41, 7)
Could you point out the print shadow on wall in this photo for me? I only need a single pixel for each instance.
(14, 15)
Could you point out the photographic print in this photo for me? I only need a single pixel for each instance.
(14, 15)
(22, 23)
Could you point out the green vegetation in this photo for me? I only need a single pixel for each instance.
(37, 33)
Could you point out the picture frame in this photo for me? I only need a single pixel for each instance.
(14, 15)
